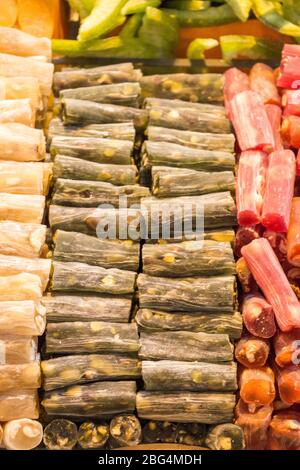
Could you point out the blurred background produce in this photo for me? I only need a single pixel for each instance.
(42, 18)
(232, 29)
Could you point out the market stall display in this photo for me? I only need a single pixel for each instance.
(86, 266)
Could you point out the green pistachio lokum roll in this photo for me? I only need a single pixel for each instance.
(118, 131)
(60, 434)
(125, 431)
(188, 120)
(190, 434)
(189, 258)
(78, 169)
(87, 308)
(104, 75)
(180, 215)
(159, 431)
(93, 149)
(81, 277)
(186, 407)
(172, 155)
(195, 140)
(220, 323)
(100, 400)
(153, 102)
(221, 235)
(225, 437)
(93, 221)
(88, 112)
(81, 193)
(70, 370)
(185, 346)
(203, 88)
(192, 376)
(93, 435)
(124, 94)
(91, 337)
(191, 294)
(170, 182)
(121, 254)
